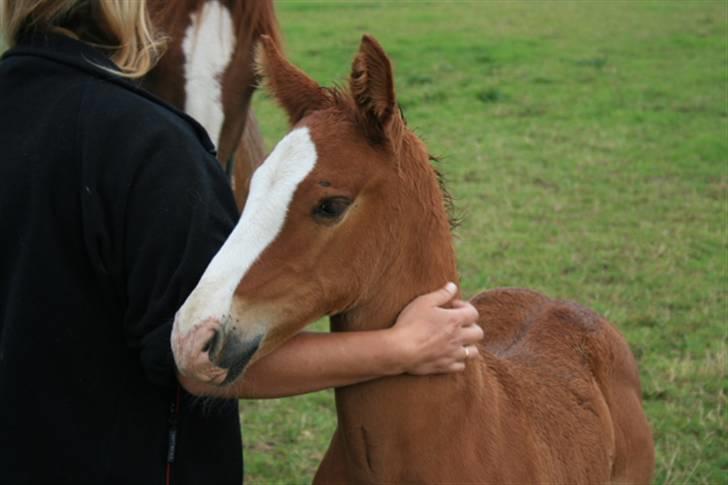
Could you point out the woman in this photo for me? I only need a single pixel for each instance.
(112, 205)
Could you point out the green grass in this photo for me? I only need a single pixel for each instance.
(585, 144)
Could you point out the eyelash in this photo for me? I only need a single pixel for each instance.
(331, 209)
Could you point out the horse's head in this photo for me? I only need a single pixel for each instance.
(334, 214)
(208, 71)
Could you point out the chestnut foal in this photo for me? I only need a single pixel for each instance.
(208, 71)
(346, 218)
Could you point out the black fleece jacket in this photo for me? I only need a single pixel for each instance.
(112, 203)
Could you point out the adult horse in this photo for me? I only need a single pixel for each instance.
(346, 218)
(208, 71)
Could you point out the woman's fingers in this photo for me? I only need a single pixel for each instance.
(205, 371)
(440, 297)
(201, 335)
(191, 356)
(470, 352)
(464, 312)
(470, 334)
(193, 342)
(432, 339)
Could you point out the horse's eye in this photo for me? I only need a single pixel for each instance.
(329, 210)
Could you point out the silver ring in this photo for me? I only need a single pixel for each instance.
(467, 353)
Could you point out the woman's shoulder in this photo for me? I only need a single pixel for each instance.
(64, 70)
(130, 111)
(116, 133)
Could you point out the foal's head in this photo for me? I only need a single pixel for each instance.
(337, 218)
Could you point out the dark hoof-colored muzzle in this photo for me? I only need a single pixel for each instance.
(228, 351)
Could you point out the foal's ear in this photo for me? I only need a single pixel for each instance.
(297, 93)
(372, 82)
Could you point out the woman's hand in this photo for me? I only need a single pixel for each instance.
(431, 339)
(192, 360)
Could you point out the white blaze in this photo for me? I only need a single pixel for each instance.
(271, 191)
(208, 47)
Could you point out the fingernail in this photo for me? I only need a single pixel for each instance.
(451, 287)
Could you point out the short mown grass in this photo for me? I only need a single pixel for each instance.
(586, 145)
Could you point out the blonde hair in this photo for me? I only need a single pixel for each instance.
(122, 28)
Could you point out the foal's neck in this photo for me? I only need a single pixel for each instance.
(423, 261)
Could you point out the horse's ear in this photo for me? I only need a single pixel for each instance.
(372, 83)
(297, 93)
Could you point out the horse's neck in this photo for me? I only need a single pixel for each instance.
(398, 405)
(423, 264)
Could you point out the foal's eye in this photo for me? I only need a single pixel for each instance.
(328, 210)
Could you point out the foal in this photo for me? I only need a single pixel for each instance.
(346, 218)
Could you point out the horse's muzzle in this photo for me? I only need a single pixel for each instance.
(229, 351)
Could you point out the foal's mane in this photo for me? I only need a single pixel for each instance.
(453, 217)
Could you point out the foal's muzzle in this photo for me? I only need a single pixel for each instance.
(229, 351)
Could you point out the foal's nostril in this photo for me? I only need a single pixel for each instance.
(212, 342)
(236, 354)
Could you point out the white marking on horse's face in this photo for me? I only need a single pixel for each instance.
(208, 47)
(271, 192)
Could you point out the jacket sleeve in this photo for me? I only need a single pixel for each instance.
(168, 209)
(179, 212)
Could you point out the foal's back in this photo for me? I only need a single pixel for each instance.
(572, 385)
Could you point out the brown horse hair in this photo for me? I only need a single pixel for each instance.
(453, 217)
(256, 17)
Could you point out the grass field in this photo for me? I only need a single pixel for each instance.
(586, 145)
